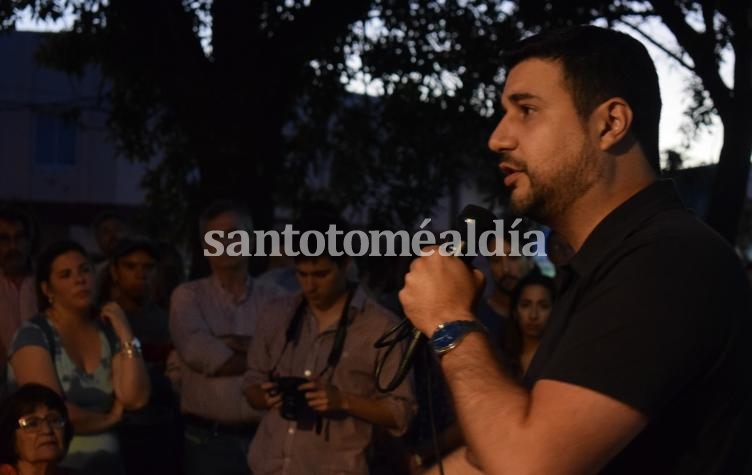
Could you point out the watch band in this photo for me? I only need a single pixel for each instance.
(449, 334)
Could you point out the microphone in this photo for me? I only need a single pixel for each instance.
(471, 223)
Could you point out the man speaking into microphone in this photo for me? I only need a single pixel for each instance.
(644, 366)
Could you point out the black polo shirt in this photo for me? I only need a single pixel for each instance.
(654, 311)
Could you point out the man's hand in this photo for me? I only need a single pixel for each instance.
(272, 397)
(323, 397)
(439, 289)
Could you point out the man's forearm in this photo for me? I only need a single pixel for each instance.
(491, 406)
(234, 366)
(255, 397)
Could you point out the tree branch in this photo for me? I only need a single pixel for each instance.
(702, 51)
(676, 57)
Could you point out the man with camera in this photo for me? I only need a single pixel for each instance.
(311, 364)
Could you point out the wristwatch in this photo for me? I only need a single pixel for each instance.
(449, 334)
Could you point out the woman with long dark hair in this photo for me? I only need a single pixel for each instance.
(531, 304)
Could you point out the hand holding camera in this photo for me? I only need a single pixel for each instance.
(284, 392)
(272, 397)
(324, 397)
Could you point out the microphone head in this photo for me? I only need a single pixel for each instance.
(481, 218)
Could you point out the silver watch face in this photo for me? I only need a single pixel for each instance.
(136, 343)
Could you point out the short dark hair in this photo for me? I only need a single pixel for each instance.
(10, 215)
(599, 64)
(20, 402)
(44, 266)
(319, 218)
(30, 227)
(128, 246)
(106, 216)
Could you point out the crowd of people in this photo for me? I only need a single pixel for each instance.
(153, 374)
(623, 362)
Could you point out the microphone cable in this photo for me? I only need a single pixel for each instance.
(471, 223)
(473, 217)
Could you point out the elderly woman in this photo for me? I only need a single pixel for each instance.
(34, 431)
(88, 355)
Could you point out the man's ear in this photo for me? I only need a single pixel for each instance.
(45, 287)
(613, 119)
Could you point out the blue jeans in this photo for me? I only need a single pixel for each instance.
(210, 452)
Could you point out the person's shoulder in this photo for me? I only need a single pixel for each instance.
(682, 236)
(30, 333)
(277, 311)
(191, 287)
(269, 291)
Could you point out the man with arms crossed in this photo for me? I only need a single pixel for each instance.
(644, 367)
(212, 321)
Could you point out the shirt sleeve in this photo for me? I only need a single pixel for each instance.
(28, 334)
(197, 346)
(259, 354)
(643, 331)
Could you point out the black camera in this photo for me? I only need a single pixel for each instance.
(294, 404)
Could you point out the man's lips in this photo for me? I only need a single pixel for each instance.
(507, 169)
(511, 173)
(511, 178)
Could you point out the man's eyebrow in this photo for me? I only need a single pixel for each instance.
(517, 97)
(522, 96)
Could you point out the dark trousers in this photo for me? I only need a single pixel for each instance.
(215, 452)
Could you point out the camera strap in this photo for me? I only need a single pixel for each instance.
(294, 329)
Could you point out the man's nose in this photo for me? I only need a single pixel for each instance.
(501, 140)
(306, 284)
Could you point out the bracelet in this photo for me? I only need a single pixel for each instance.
(132, 349)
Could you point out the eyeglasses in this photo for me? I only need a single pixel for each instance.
(34, 423)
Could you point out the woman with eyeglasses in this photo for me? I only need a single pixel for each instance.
(86, 354)
(34, 432)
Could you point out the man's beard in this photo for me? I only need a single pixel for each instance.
(548, 199)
